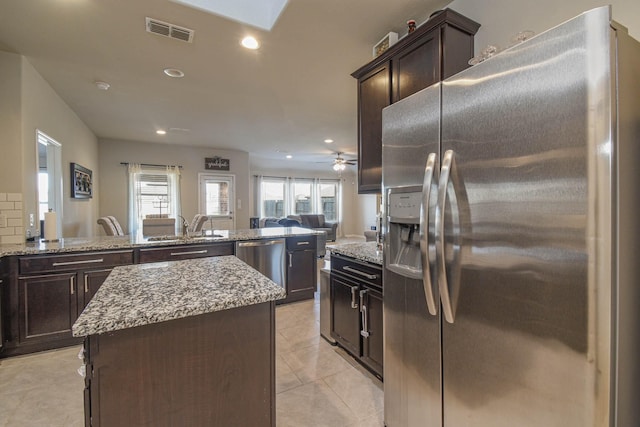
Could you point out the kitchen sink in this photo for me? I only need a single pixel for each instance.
(183, 238)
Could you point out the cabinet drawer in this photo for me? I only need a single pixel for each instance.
(46, 263)
(360, 271)
(175, 253)
(301, 243)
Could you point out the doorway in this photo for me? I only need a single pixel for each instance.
(216, 198)
(49, 183)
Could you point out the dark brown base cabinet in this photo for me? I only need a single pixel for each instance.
(301, 268)
(437, 49)
(216, 369)
(356, 310)
(47, 293)
(43, 295)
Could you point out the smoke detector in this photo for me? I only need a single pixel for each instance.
(166, 29)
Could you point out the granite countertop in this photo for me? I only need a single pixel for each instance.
(141, 294)
(101, 243)
(366, 251)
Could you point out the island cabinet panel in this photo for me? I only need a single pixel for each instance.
(437, 49)
(215, 369)
(176, 253)
(301, 268)
(356, 310)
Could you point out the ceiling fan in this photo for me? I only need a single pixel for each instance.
(340, 163)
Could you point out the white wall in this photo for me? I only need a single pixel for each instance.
(29, 103)
(502, 19)
(43, 109)
(113, 185)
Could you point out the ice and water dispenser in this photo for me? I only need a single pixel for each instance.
(403, 219)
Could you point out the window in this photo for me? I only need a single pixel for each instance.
(302, 196)
(272, 195)
(152, 191)
(307, 196)
(328, 191)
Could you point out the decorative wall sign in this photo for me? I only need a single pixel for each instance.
(216, 163)
(81, 182)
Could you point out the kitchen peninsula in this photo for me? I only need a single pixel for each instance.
(47, 285)
(181, 343)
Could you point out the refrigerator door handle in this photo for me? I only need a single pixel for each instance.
(445, 173)
(424, 233)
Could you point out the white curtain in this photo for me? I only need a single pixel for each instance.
(175, 202)
(259, 196)
(135, 217)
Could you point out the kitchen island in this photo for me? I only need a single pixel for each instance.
(181, 343)
(46, 285)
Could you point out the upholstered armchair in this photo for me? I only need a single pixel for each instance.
(317, 222)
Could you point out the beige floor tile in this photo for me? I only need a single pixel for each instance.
(363, 394)
(313, 404)
(313, 363)
(313, 381)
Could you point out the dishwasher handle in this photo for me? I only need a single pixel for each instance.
(260, 243)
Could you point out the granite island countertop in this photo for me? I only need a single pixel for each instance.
(366, 251)
(101, 243)
(142, 294)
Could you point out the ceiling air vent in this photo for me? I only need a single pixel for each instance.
(169, 30)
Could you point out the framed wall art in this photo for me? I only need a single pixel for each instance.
(81, 182)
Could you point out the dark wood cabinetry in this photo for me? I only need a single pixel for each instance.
(356, 310)
(48, 306)
(439, 48)
(301, 268)
(345, 313)
(176, 253)
(216, 369)
(48, 294)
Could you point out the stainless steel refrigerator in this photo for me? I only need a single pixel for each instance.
(512, 238)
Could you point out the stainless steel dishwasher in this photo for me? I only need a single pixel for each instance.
(266, 255)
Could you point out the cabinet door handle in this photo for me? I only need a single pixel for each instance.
(86, 284)
(204, 251)
(290, 260)
(72, 286)
(302, 243)
(363, 313)
(86, 261)
(354, 303)
(361, 273)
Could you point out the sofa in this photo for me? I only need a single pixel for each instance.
(317, 222)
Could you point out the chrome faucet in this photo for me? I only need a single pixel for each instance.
(185, 226)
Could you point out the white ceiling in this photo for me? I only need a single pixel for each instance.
(286, 97)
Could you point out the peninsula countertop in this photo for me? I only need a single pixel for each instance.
(366, 251)
(102, 243)
(142, 294)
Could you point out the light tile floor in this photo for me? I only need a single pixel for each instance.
(316, 384)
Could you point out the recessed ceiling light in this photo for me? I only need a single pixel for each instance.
(289, 156)
(250, 43)
(174, 72)
(102, 85)
(328, 141)
(161, 132)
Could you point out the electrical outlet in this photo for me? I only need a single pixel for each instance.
(3, 221)
(31, 220)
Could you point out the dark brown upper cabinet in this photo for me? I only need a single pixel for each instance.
(437, 49)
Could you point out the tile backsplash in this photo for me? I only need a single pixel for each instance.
(11, 218)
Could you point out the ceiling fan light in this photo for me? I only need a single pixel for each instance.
(338, 167)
